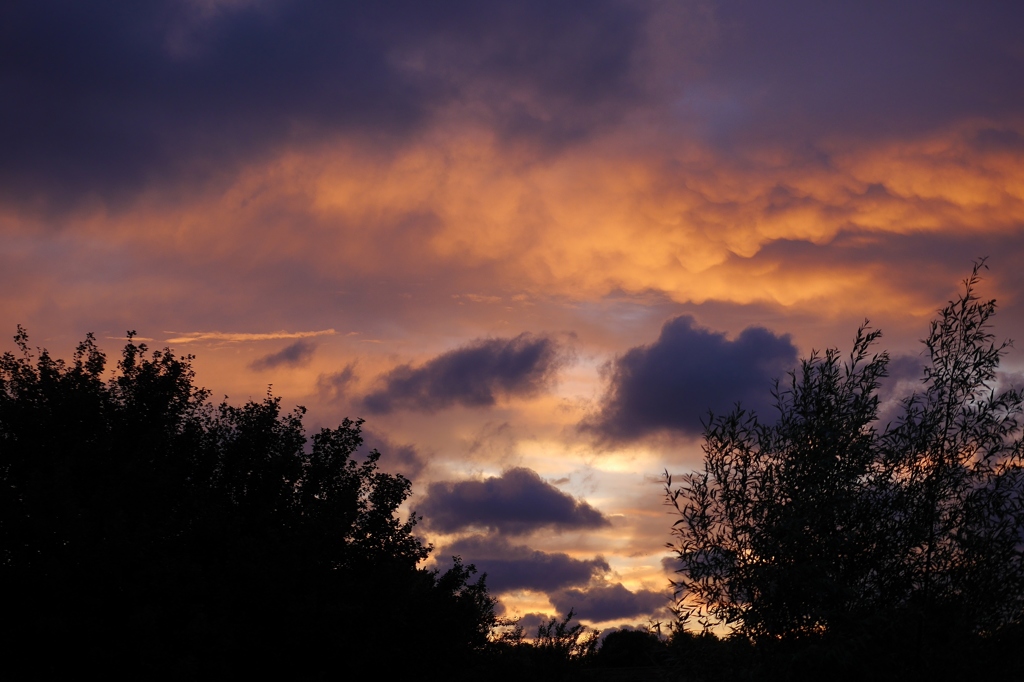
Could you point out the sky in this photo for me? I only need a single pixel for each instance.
(531, 243)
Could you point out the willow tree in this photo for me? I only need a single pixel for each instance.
(825, 521)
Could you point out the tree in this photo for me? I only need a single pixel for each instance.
(144, 529)
(826, 524)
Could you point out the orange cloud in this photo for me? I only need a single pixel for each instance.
(190, 337)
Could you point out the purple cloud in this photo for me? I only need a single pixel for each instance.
(672, 383)
(518, 567)
(475, 375)
(518, 501)
(608, 602)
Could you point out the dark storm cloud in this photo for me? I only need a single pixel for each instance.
(518, 501)
(673, 382)
(106, 97)
(473, 376)
(803, 68)
(518, 567)
(292, 355)
(608, 602)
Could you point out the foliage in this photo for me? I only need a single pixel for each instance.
(144, 528)
(630, 649)
(813, 526)
(700, 656)
(559, 651)
(557, 639)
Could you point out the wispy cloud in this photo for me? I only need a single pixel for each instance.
(189, 337)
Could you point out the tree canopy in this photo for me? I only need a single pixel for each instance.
(145, 529)
(900, 542)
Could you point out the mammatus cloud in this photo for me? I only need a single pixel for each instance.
(518, 501)
(189, 337)
(293, 355)
(475, 375)
(518, 567)
(672, 383)
(608, 602)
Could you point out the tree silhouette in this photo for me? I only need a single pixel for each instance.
(826, 527)
(145, 530)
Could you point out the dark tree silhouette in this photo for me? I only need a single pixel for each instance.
(145, 531)
(630, 649)
(825, 527)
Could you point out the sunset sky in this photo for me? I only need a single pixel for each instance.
(532, 243)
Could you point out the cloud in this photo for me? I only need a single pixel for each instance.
(213, 86)
(608, 602)
(518, 567)
(870, 69)
(518, 501)
(333, 387)
(293, 355)
(672, 383)
(395, 458)
(475, 375)
(905, 374)
(190, 337)
(531, 622)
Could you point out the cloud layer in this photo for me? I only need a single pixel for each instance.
(672, 383)
(516, 502)
(475, 375)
